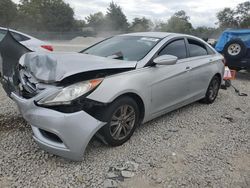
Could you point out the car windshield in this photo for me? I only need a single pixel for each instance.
(129, 48)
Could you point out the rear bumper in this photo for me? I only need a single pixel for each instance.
(74, 130)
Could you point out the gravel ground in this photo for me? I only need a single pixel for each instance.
(196, 146)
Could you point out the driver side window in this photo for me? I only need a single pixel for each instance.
(176, 48)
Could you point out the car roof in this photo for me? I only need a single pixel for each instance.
(160, 35)
(149, 34)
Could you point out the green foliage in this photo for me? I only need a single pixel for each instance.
(8, 12)
(50, 15)
(96, 21)
(206, 32)
(79, 25)
(226, 18)
(243, 14)
(141, 24)
(182, 15)
(178, 23)
(56, 15)
(235, 18)
(115, 18)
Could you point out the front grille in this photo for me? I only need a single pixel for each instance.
(27, 88)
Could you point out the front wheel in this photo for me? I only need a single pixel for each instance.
(122, 117)
(212, 90)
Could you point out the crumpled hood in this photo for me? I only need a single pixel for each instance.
(54, 67)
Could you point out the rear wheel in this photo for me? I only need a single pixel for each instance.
(212, 90)
(122, 118)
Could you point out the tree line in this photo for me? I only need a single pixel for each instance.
(58, 16)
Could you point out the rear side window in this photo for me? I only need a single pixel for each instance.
(196, 48)
(176, 48)
(17, 36)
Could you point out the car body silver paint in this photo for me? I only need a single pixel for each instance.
(162, 88)
(74, 129)
(164, 92)
(55, 66)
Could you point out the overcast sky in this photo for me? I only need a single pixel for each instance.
(201, 12)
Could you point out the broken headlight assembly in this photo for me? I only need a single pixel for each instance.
(67, 94)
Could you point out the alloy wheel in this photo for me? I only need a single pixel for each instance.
(122, 122)
(213, 89)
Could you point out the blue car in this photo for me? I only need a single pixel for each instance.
(235, 46)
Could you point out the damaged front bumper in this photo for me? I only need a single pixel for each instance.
(63, 134)
(66, 131)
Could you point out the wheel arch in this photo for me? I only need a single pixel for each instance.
(139, 102)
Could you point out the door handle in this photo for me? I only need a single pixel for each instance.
(188, 68)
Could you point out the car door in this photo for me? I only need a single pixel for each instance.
(200, 64)
(170, 82)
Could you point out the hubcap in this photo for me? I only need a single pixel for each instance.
(213, 89)
(122, 122)
(234, 49)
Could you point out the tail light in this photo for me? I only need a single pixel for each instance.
(48, 47)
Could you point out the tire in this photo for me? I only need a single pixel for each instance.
(212, 90)
(114, 118)
(235, 49)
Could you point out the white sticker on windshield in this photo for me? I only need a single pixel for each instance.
(149, 39)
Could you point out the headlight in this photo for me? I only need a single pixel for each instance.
(67, 94)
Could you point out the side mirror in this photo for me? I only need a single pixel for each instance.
(165, 60)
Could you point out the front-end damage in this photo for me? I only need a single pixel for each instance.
(30, 78)
(63, 134)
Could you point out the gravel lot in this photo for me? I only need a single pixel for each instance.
(196, 146)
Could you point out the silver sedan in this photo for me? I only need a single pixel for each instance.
(108, 89)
